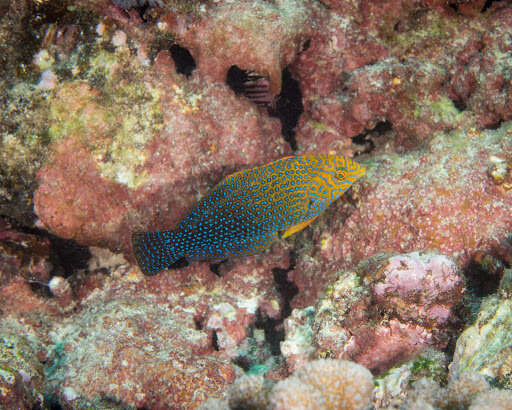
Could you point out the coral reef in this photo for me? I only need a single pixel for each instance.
(485, 346)
(119, 115)
(21, 373)
(385, 311)
(253, 35)
(325, 384)
(146, 341)
(448, 198)
(322, 384)
(23, 255)
(147, 149)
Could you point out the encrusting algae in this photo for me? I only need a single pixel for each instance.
(249, 210)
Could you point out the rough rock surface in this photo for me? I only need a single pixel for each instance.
(144, 341)
(452, 197)
(24, 255)
(126, 135)
(140, 162)
(386, 311)
(485, 346)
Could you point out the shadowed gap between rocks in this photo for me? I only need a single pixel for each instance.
(366, 139)
(287, 106)
(488, 4)
(67, 256)
(185, 63)
(273, 328)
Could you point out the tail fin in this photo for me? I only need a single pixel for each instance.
(154, 251)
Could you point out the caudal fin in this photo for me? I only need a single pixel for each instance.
(154, 251)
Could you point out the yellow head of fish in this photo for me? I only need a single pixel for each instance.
(331, 175)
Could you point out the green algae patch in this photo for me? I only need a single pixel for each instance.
(114, 121)
(17, 354)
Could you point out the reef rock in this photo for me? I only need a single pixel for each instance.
(21, 373)
(253, 35)
(24, 255)
(137, 153)
(485, 346)
(141, 341)
(454, 197)
(386, 311)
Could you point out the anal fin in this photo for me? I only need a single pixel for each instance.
(298, 227)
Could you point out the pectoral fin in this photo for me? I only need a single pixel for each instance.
(296, 228)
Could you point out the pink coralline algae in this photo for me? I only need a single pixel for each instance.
(447, 200)
(126, 136)
(252, 35)
(23, 255)
(142, 169)
(386, 312)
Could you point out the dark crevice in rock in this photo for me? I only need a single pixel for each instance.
(66, 256)
(459, 103)
(495, 125)
(273, 328)
(70, 255)
(236, 78)
(180, 263)
(199, 323)
(215, 341)
(288, 107)
(483, 274)
(366, 139)
(488, 4)
(183, 60)
(243, 362)
(286, 288)
(51, 403)
(274, 332)
(250, 84)
(454, 7)
(215, 268)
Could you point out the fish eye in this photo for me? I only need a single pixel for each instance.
(340, 174)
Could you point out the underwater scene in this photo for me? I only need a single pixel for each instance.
(256, 204)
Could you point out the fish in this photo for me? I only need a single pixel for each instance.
(250, 210)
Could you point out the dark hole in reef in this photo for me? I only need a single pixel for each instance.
(306, 45)
(273, 328)
(495, 125)
(488, 4)
(51, 402)
(215, 341)
(236, 79)
(459, 103)
(70, 255)
(454, 7)
(288, 104)
(184, 61)
(243, 362)
(66, 255)
(481, 282)
(180, 263)
(286, 288)
(366, 140)
(215, 268)
(274, 332)
(288, 107)
(198, 323)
